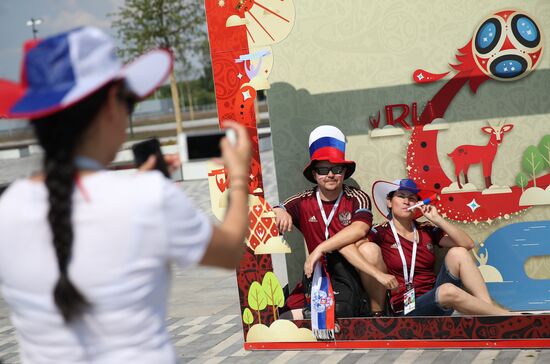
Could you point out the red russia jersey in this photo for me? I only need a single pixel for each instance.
(424, 276)
(354, 205)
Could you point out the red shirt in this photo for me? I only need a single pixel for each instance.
(424, 276)
(354, 205)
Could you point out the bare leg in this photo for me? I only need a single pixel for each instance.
(460, 264)
(449, 295)
(295, 314)
(377, 292)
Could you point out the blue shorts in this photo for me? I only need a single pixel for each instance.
(427, 304)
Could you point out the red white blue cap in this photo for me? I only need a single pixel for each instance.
(65, 68)
(327, 143)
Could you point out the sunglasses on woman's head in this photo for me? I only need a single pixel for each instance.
(323, 171)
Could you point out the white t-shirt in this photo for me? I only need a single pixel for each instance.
(125, 237)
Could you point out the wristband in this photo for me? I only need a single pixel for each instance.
(279, 206)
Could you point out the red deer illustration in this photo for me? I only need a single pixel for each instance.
(465, 155)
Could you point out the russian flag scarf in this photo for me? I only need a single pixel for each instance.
(322, 303)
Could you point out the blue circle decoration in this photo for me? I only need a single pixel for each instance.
(488, 36)
(508, 66)
(525, 30)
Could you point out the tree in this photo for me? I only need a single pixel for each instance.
(522, 180)
(533, 162)
(178, 25)
(248, 318)
(256, 298)
(544, 149)
(273, 292)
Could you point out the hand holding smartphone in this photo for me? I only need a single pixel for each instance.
(143, 150)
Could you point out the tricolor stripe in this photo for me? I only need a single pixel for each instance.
(322, 320)
(327, 142)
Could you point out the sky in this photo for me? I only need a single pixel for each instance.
(57, 16)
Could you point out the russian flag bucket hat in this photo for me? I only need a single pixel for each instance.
(327, 143)
(63, 69)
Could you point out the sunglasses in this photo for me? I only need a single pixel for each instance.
(323, 171)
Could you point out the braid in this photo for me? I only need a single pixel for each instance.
(60, 172)
(59, 135)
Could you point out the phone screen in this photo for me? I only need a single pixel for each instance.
(204, 146)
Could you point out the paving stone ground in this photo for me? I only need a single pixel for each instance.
(206, 327)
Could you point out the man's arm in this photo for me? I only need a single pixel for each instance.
(351, 234)
(361, 222)
(287, 214)
(344, 241)
(355, 258)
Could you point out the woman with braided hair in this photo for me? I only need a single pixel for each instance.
(85, 253)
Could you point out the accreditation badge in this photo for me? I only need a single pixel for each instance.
(409, 301)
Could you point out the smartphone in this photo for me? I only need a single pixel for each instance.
(143, 150)
(206, 146)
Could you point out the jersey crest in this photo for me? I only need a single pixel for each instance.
(345, 217)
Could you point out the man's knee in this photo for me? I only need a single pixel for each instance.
(370, 251)
(448, 294)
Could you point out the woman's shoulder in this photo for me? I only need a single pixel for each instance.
(136, 180)
(378, 232)
(377, 228)
(19, 188)
(142, 186)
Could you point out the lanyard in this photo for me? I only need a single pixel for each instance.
(408, 277)
(332, 212)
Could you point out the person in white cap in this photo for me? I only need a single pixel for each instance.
(85, 254)
(408, 250)
(333, 216)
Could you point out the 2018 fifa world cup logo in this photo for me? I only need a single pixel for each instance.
(507, 45)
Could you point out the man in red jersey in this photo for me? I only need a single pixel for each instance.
(333, 216)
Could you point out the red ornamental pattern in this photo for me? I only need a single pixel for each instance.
(442, 328)
(235, 101)
(261, 223)
(229, 83)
